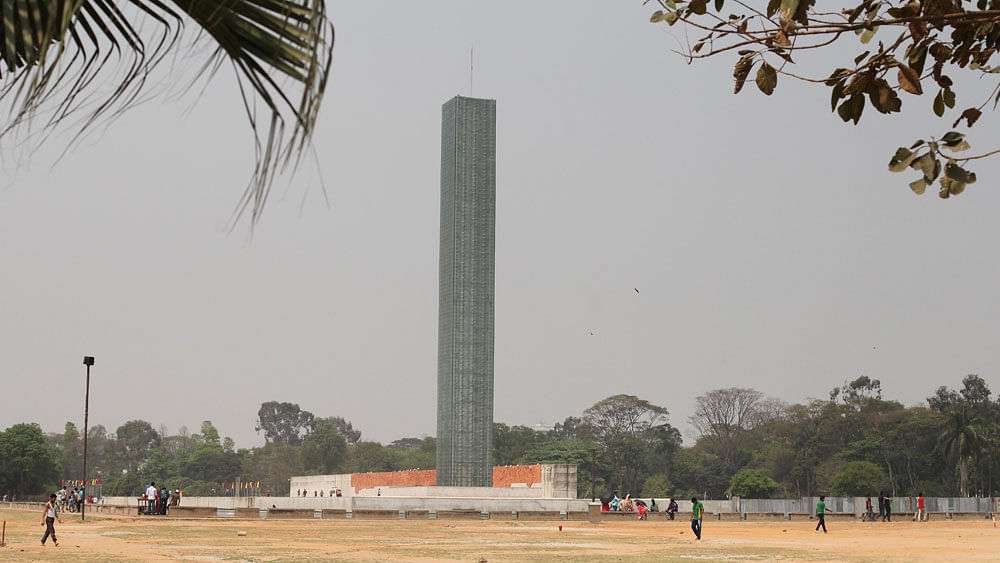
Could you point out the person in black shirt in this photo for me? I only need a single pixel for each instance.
(887, 500)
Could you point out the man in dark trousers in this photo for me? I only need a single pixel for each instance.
(887, 515)
(49, 516)
(881, 506)
(697, 511)
(820, 513)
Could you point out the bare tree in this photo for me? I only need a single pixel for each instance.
(725, 417)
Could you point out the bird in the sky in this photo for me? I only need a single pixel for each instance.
(636, 289)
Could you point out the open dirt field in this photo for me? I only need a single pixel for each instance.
(131, 539)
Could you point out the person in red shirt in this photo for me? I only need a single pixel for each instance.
(921, 515)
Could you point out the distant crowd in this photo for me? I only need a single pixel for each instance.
(70, 501)
(335, 492)
(158, 499)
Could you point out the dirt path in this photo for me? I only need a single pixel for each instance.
(147, 539)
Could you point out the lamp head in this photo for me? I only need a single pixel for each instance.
(88, 360)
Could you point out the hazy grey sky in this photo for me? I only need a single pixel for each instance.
(770, 246)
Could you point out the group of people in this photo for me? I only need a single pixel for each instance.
(158, 499)
(885, 509)
(612, 503)
(70, 501)
(335, 492)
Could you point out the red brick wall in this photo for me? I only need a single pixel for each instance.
(416, 478)
(503, 476)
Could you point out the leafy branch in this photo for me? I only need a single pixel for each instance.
(929, 39)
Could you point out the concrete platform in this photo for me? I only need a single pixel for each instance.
(248, 513)
(333, 513)
(375, 515)
(540, 515)
(290, 513)
(192, 512)
(459, 515)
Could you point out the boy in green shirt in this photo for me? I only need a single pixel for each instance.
(820, 512)
(697, 510)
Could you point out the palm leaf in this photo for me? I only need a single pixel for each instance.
(81, 60)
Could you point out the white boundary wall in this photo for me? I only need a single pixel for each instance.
(804, 505)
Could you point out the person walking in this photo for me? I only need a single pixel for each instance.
(672, 509)
(697, 511)
(820, 513)
(868, 515)
(49, 516)
(887, 515)
(921, 515)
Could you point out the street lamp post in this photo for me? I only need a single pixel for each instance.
(593, 475)
(87, 361)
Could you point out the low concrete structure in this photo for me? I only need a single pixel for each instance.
(290, 513)
(193, 512)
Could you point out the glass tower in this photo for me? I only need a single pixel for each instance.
(465, 313)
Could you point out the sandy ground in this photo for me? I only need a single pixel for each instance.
(132, 539)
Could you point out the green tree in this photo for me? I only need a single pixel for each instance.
(273, 465)
(209, 433)
(657, 486)
(857, 478)
(368, 457)
(103, 454)
(577, 451)
(324, 451)
(511, 442)
(893, 46)
(346, 429)
(27, 464)
(135, 438)
(753, 483)
(624, 427)
(211, 463)
(72, 452)
(283, 422)
(280, 50)
(960, 439)
(413, 453)
(944, 399)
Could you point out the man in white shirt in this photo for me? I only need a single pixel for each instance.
(49, 516)
(151, 497)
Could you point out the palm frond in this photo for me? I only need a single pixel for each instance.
(88, 59)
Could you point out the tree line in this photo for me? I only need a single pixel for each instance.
(854, 442)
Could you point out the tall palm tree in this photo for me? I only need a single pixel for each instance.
(80, 60)
(960, 438)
